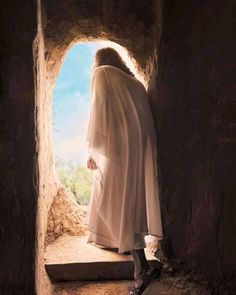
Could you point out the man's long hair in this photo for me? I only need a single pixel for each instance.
(109, 56)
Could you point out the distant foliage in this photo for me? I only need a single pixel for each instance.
(77, 180)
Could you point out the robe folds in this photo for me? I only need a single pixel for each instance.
(124, 207)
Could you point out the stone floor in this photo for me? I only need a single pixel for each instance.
(68, 250)
(176, 285)
(71, 258)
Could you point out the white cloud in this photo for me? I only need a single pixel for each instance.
(72, 149)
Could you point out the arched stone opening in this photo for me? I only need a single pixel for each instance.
(193, 106)
(66, 216)
(56, 35)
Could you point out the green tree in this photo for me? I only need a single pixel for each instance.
(76, 179)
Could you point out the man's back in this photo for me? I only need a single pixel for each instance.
(126, 198)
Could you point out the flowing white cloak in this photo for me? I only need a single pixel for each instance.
(124, 205)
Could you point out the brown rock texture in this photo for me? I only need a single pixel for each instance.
(184, 49)
(64, 217)
(167, 285)
(18, 148)
(69, 22)
(194, 109)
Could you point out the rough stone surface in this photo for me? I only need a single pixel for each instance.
(71, 258)
(194, 108)
(68, 22)
(18, 166)
(185, 51)
(65, 217)
(168, 285)
(48, 183)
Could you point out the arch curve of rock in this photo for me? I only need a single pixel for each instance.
(185, 50)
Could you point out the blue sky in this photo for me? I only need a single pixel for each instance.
(71, 102)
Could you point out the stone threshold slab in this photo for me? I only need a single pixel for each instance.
(71, 258)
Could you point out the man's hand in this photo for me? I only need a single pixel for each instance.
(91, 164)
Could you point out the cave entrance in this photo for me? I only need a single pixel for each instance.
(71, 103)
(68, 255)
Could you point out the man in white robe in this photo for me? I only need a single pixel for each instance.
(124, 205)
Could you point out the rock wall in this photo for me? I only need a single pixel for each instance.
(18, 148)
(64, 217)
(184, 49)
(135, 27)
(194, 109)
(48, 182)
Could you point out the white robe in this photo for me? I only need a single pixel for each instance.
(124, 205)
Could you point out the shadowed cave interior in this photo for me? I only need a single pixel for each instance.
(184, 51)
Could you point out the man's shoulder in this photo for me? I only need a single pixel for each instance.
(98, 71)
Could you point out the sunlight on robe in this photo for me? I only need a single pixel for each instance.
(124, 205)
